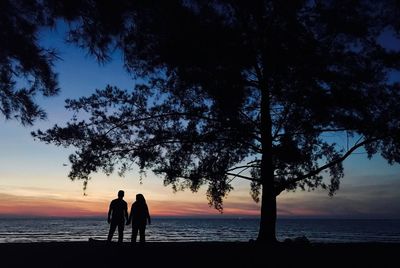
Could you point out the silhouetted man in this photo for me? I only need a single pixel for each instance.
(117, 214)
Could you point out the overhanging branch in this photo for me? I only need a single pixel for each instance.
(317, 130)
(314, 172)
(240, 167)
(241, 176)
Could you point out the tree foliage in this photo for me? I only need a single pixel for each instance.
(26, 68)
(258, 90)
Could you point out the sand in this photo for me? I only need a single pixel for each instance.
(198, 254)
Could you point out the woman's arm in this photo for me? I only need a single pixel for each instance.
(148, 215)
(130, 216)
(109, 213)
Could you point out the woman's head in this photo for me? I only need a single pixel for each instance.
(140, 198)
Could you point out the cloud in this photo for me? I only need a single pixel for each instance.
(16, 205)
(379, 199)
(38, 202)
(369, 197)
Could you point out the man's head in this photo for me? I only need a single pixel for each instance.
(121, 194)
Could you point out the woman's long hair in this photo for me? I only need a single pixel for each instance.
(140, 199)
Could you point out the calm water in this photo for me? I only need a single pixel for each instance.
(41, 230)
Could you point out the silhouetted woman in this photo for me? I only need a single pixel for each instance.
(139, 217)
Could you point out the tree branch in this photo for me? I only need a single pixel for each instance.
(161, 116)
(280, 124)
(314, 172)
(241, 176)
(240, 167)
(319, 131)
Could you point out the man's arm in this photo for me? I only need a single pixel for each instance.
(126, 211)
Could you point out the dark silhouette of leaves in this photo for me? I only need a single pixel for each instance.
(26, 68)
(260, 90)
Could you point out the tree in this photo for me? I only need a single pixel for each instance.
(232, 89)
(26, 68)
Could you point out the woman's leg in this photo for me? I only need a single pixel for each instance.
(134, 233)
(142, 230)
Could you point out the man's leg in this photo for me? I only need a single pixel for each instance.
(113, 226)
(142, 230)
(134, 233)
(121, 232)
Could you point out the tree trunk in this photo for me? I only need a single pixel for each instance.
(267, 232)
(268, 197)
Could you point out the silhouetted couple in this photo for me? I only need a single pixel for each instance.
(118, 213)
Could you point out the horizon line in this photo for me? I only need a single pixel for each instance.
(221, 217)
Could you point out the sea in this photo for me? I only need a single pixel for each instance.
(19, 230)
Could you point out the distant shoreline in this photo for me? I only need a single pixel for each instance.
(6, 217)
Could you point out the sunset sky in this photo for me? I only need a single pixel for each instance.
(33, 175)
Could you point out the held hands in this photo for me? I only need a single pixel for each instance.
(108, 220)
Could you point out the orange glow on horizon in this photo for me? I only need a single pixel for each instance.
(57, 207)
(32, 201)
(30, 206)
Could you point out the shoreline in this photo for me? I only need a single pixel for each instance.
(187, 254)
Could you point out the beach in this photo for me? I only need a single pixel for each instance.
(189, 254)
